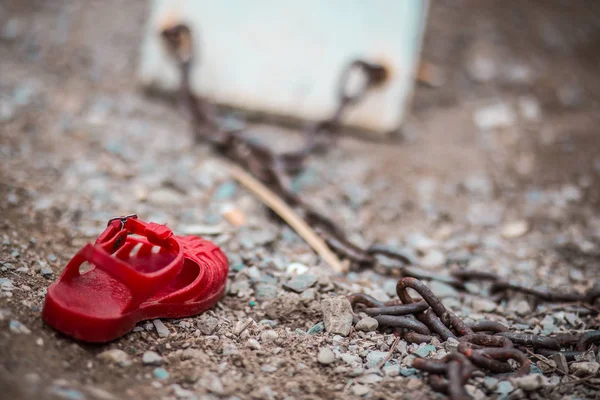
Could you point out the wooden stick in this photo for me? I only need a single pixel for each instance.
(282, 209)
(390, 354)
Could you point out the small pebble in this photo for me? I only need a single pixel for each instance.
(241, 326)
(208, 326)
(420, 242)
(546, 367)
(434, 258)
(408, 371)
(296, 269)
(337, 315)
(522, 308)
(530, 382)
(585, 368)
(46, 271)
(490, 383)
(269, 336)
(325, 356)
(504, 387)
(17, 327)
(160, 373)
(514, 229)
(268, 368)
(374, 358)
(300, 283)
(367, 324)
(152, 358)
(425, 349)
(67, 393)
(530, 108)
(265, 291)
(115, 356)
(182, 393)
(212, 383)
(351, 359)
(318, 328)
(161, 329)
(360, 390)
(413, 383)
(451, 344)
(561, 362)
(494, 116)
(190, 354)
(483, 305)
(442, 290)
(481, 68)
(253, 344)
(369, 379)
(391, 370)
(225, 191)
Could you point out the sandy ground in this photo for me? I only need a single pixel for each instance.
(496, 169)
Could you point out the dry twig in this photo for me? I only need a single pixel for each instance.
(282, 209)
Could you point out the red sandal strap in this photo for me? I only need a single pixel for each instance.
(141, 285)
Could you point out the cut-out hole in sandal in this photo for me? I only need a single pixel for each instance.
(85, 267)
(135, 250)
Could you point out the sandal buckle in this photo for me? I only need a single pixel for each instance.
(122, 219)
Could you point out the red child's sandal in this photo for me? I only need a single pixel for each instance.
(154, 274)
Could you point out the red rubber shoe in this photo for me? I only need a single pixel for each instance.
(153, 275)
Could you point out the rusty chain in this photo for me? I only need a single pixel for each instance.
(483, 345)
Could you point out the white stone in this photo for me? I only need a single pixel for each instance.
(494, 116)
(515, 229)
(367, 324)
(585, 368)
(337, 315)
(360, 390)
(325, 356)
(152, 358)
(530, 382)
(115, 356)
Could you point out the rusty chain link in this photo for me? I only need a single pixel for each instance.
(483, 345)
